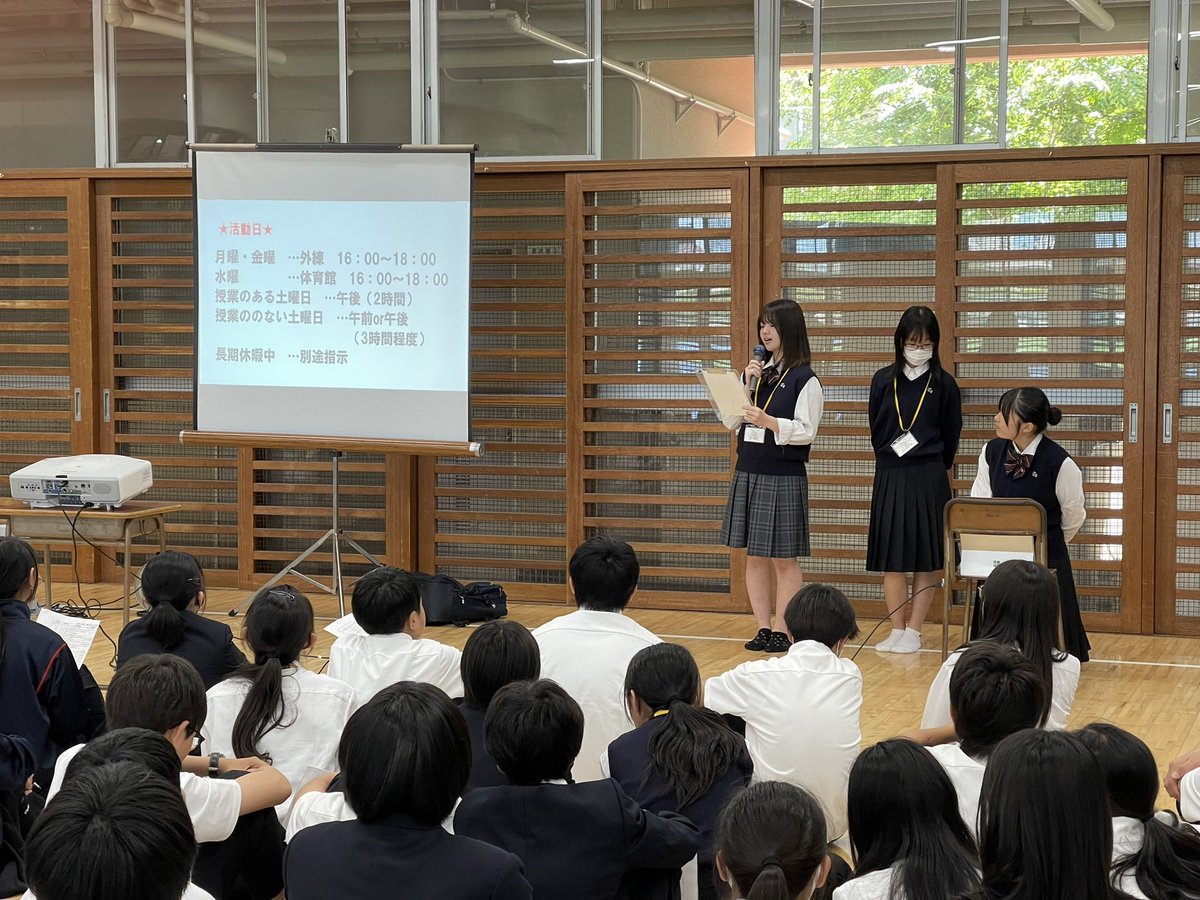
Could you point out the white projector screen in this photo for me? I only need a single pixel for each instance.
(333, 293)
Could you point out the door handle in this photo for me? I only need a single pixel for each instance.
(1168, 423)
(1133, 423)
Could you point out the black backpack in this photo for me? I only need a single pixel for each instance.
(448, 601)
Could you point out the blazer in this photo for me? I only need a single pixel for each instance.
(577, 841)
(206, 644)
(397, 857)
(484, 772)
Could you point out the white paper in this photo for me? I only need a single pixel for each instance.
(78, 633)
(725, 392)
(346, 625)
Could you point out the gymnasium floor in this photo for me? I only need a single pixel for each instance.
(1149, 685)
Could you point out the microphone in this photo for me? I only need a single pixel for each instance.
(760, 353)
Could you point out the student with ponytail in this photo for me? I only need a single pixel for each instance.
(41, 692)
(681, 757)
(274, 708)
(173, 585)
(771, 843)
(1021, 461)
(1154, 855)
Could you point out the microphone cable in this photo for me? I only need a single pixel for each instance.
(912, 597)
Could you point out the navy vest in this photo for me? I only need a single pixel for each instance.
(1038, 484)
(779, 400)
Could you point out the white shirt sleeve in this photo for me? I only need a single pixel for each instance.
(315, 808)
(214, 805)
(1069, 489)
(1189, 796)
(937, 704)
(802, 427)
(982, 486)
(722, 694)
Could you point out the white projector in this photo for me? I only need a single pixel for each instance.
(93, 479)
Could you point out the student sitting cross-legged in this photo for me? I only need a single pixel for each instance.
(588, 651)
(681, 757)
(577, 841)
(233, 816)
(387, 606)
(802, 708)
(995, 691)
(118, 831)
(406, 757)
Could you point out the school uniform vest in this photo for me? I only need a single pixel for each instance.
(776, 397)
(1039, 484)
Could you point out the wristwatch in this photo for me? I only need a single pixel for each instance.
(214, 764)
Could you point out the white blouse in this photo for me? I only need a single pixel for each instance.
(801, 428)
(1068, 488)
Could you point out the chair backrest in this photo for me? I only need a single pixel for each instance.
(1015, 517)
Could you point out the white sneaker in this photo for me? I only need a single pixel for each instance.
(889, 643)
(909, 642)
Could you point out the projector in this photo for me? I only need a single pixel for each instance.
(93, 479)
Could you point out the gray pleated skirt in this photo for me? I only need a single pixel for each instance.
(767, 514)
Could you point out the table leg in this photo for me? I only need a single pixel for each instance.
(49, 598)
(125, 605)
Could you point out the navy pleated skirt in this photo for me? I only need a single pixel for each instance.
(906, 533)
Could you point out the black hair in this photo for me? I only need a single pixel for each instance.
(1045, 830)
(1021, 609)
(771, 839)
(995, 691)
(533, 730)
(116, 830)
(406, 751)
(138, 745)
(604, 573)
(156, 691)
(383, 600)
(496, 653)
(915, 322)
(1029, 404)
(902, 811)
(693, 747)
(279, 624)
(820, 612)
(787, 318)
(1167, 867)
(16, 559)
(171, 581)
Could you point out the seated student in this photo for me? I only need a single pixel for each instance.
(115, 832)
(17, 765)
(495, 654)
(908, 840)
(802, 708)
(387, 605)
(1020, 610)
(576, 840)
(770, 843)
(994, 692)
(233, 814)
(588, 651)
(41, 692)
(274, 708)
(1045, 831)
(681, 757)
(1154, 856)
(406, 763)
(173, 585)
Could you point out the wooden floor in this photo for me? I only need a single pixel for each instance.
(1149, 685)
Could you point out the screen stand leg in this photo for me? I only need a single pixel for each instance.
(334, 537)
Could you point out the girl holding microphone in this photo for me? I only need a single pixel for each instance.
(915, 414)
(767, 512)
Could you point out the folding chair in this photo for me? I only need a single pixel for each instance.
(987, 532)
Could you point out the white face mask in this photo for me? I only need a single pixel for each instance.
(917, 358)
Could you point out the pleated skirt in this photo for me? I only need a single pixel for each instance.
(767, 514)
(1075, 638)
(906, 532)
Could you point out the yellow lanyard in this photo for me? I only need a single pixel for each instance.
(896, 397)
(773, 390)
(661, 712)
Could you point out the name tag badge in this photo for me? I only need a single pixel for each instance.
(754, 434)
(904, 443)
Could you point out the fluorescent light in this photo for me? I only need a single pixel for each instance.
(573, 61)
(948, 46)
(807, 3)
(1094, 13)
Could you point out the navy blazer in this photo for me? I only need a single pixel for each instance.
(397, 857)
(484, 771)
(206, 644)
(577, 840)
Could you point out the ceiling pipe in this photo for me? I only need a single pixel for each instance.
(1094, 13)
(118, 15)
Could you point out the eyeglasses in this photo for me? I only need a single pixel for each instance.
(926, 346)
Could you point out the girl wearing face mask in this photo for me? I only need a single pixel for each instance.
(1021, 461)
(767, 512)
(915, 414)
